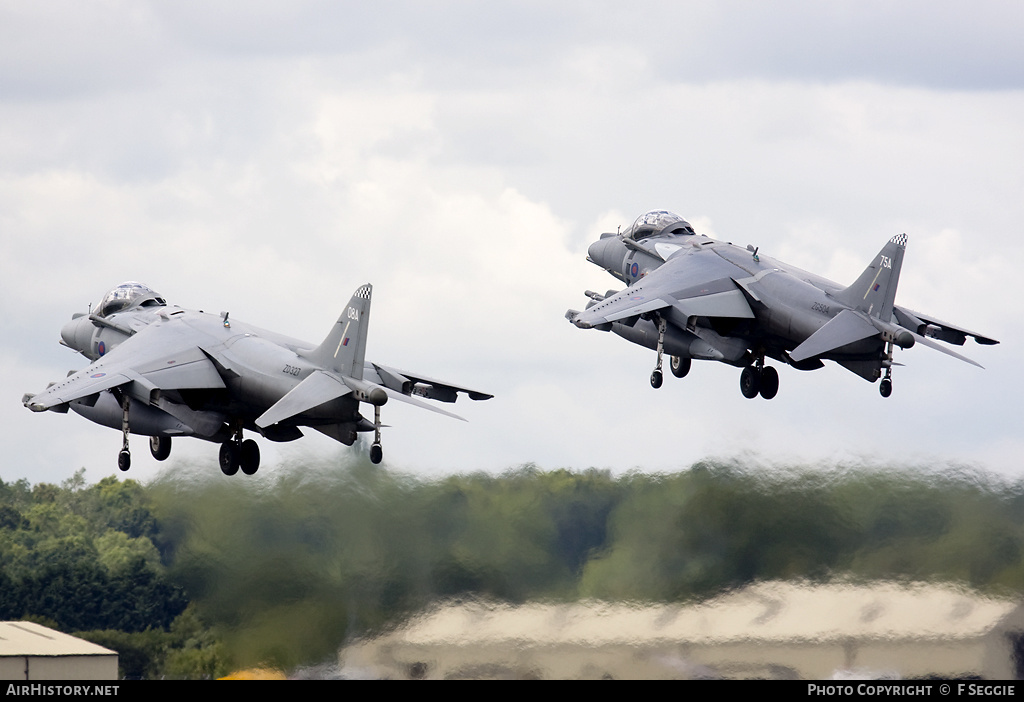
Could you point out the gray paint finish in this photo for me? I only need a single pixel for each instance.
(694, 297)
(163, 371)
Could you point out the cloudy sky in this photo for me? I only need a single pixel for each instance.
(267, 158)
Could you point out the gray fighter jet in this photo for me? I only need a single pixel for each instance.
(163, 371)
(694, 297)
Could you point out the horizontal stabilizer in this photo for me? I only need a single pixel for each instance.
(845, 328)
(317, 388)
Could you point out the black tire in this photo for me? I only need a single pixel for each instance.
(769, 383)
(160, 447)
(249, 457)
(376, 454)
(885, 388)
(680, 366)
(750, 382)
(229, 458)
(656, 379)
(124, 460)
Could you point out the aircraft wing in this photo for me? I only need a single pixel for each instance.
(420, 403)
(158, 357)
(694, 285)
(931, 327)
(407, 383)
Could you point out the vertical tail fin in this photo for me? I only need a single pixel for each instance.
(874, 292)
(344, 349)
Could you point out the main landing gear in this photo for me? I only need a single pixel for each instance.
(759, 379)
(160, 447)
(236, 453)
(680, 366)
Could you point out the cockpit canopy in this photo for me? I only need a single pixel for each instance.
(125, 295)
(656, 222)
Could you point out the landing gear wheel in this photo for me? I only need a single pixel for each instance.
(229, 458)
(885, 388)
(160, 447)
(750, 382)
(124, 460)
(656, 379)
(680, 366)
(249, 457)
(376, 452)
(769, 383)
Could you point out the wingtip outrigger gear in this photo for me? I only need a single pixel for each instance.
(376, 450)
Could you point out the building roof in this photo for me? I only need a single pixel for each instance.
(773, 611)
(29, 639)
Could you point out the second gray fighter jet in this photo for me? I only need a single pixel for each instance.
(693, 297)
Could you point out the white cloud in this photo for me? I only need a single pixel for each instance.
(465, 180)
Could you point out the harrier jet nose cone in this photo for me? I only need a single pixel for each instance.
(596, 252)
(77, 333)
(606, 253)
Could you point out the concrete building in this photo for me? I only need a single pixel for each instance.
(767, 630)
(32, 652)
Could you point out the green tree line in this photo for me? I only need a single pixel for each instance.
(201, 575)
